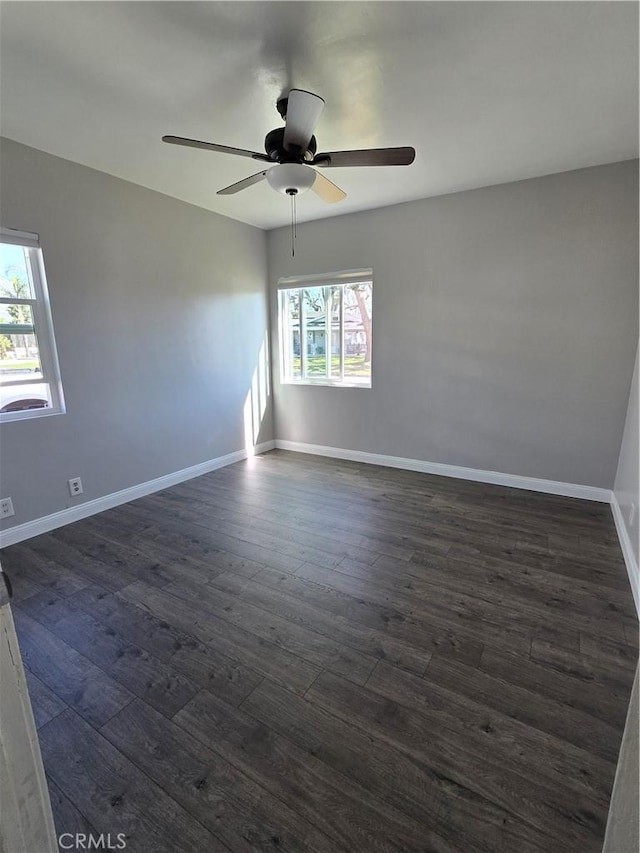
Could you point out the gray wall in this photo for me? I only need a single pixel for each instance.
(505, 326)
(160, 312)
(623, 824)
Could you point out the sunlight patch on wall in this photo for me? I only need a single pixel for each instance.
(255, 404)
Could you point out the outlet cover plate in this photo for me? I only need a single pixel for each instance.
(75, 486)
(6, 508)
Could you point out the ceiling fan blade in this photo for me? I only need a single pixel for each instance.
(327, 191)
(303, 112)
(243, 184)
(366, 157)
(211, 146)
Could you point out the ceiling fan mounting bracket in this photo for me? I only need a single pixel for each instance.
(281, 106)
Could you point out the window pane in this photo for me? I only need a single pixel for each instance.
(15, 272)
(19, 352)
(292, 357)
(14, 316)
(357, 332)
(19, 356)
(335, 292)
(313, 299)
(21, 398)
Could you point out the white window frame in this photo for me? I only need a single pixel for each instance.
(43, 328)
(299, 283)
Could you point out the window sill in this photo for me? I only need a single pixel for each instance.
(29, 415)
(325, 384)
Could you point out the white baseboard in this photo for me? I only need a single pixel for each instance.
(532, 484)
(627, 551)
(20, 532)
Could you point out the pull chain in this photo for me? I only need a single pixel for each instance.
(294, 220)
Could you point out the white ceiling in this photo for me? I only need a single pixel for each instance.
(485, 92)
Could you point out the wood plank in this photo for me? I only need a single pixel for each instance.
(138, 564)
(609, 654)
(574, 776)
(601, 702)
(196, 541)
(44, 702)
(114, 795)
(163, 687)
(534, 584)
(22, 561)
(473, 622)
(362, 638)
(203, 665)
(203, 564)
(584, 667)
(97, 643)
(310, 645)
(338, 806)
(457, 526)
(542, 712)
(400, 515)
(263, 536)
(242, 814)
(71, 676)
(262, 656)
(291, 519)
(22, 587)
(81, 562)
(413, 733)
(443, 639)
(610, 560)
(453, 818)
(565, 567)
(137, 624)
(350, 534)
(632, 632)
(219, 673)
(212, 517)
(456, 597)
(67, 818)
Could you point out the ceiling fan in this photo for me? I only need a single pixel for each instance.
(292, 151)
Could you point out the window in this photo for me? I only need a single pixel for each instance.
(325, 328)
(29, 376)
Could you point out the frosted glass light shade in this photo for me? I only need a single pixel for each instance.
(293, 176)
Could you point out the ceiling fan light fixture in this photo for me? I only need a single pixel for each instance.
(291, 176)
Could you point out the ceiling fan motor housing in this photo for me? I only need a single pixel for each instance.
(274, 146)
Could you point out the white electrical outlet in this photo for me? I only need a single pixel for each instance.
(75, 486)
(632, 514)
(6, 508)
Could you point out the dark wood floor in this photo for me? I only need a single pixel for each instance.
(302, 654)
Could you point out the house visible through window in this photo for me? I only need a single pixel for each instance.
(29, 376)
(325, 325)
